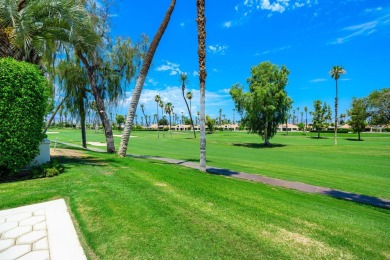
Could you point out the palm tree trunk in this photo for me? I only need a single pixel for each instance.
(141, 80)
(82, 119)
(189, 111)
(101, 110)
(335, 115)
(201, 20)
(54, 114)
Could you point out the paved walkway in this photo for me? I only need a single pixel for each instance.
(39, 231)
(373, 201)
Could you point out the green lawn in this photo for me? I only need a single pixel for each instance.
(359, 167)
(129, 208)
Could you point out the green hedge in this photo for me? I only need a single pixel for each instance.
(23, 100)
(345, 131)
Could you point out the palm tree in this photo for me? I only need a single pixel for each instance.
(220, 116)
(157, 99)
(141, 79)
(335, 73)
(169, 110)
(184, 80)
(305, 109)
(201, 20)
(33, 30)
(161, 104)
(143, 112)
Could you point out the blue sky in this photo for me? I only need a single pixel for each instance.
(307, 36)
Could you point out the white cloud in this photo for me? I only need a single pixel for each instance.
(173, 68)
(318, 80)
(227, 24)
(195, 73)
(357, 30)
(151, 82)
(182, 24)
(217, 49)
(274, 50)
(273, 5)
(173, 94)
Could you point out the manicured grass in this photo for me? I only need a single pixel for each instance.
(134, 208)
(360, 167)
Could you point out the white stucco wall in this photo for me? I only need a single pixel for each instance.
(44, 153)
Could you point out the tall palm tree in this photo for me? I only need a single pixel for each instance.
(161, 104)
(141, 79)
(157, 99)
(220, 116)
(335, 73)
(305, 109)
(201, 21)
(184, 81)
(143, 112)
(169, 109)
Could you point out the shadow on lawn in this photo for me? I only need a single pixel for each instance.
(374, 201)
(258, 145)
(315, 137)
(354, 139)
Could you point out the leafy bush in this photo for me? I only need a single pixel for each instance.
(23, 101)
(50, 169)
(341, 131)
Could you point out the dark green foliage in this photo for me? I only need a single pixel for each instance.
(320, 115)
(210, 123)
(163, 121)
(23, 101)
(266, 104)
(50, 169)
(341, 131)
(358, 114)
(379, 107)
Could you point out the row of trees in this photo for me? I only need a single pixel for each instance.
(91, 64)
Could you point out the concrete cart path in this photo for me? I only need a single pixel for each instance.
(360, 198)
(39, 231)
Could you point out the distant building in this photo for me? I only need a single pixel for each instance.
(290, 127)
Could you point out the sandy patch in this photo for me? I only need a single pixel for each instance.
(97, 143)
(66, 153)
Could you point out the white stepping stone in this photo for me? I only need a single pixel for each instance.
(40, 226)
(42, 244)
(31, 237)
(19, 217)
(31, 221)
(36, 255)
(16, 232)
(7, 226)
(5, 243)
(15, 252)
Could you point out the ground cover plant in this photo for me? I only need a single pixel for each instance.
(355, 166)
(128, 208)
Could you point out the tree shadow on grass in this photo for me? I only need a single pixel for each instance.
(354, 139)
(28, 174)
(258, 145)
(315, 137)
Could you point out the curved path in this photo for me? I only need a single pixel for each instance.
(360, 198)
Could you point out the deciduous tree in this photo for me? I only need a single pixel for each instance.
(266, 104)
(358, 115)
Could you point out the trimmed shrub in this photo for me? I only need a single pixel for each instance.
(23, 100)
